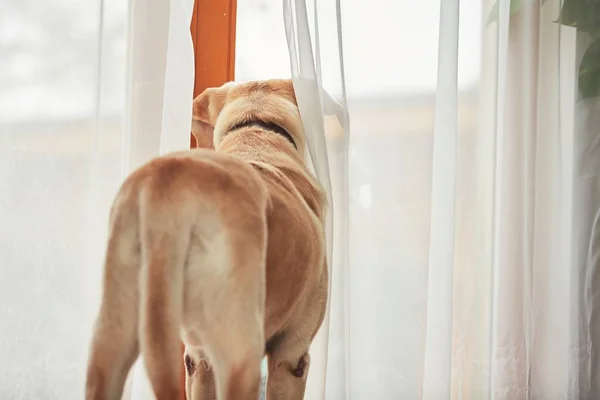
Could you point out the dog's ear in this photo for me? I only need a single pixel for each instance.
(206, 109)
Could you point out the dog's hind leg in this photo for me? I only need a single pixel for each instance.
(200, 380)
(289, 359)
(165, 227)
(114, 345)
(237, 350)
(225, 302)
(289, 362)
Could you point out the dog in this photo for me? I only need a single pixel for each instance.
(220, 248)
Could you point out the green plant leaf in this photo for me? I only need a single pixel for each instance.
(493, 16)
(571, 13)
(581, 14)
(589, 72)
(515, 6)
(590, 17)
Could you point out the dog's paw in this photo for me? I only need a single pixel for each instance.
(301, 369)
(190, 365)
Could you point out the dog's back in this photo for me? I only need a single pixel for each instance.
(187, 238)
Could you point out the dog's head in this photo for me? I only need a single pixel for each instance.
(216, 110)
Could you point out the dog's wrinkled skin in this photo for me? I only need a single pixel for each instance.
(223, 249)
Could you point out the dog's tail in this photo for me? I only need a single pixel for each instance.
(165, 229)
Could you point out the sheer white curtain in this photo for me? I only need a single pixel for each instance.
(470, 265)
(49, 80)
(157, 110)
(321, 99)
(88, 91)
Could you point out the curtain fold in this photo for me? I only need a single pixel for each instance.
(496, 296)
(438, 339)
(585, 279)
(159, 98)
(150, 91)
(313, 31)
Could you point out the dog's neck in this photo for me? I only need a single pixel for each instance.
(268, 126)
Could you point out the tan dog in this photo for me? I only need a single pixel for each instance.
(223, 249)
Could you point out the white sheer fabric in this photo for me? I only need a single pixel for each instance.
(52, 138)
(321, 99)
(159, 99)
(88, 91)
(473, 212)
